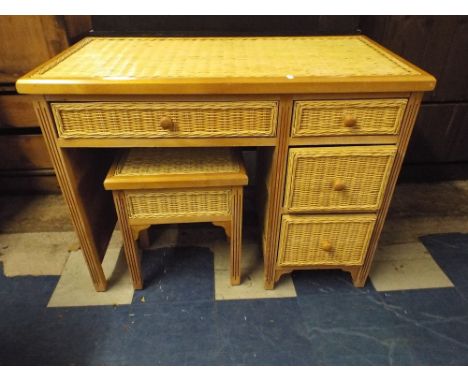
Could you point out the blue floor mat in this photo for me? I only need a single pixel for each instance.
(180, 323)
(177, 274)
(450, 251)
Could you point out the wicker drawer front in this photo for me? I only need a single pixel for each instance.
(358, 117)
(165, 119)
(324, 240)
(178, 203)
(351, 178)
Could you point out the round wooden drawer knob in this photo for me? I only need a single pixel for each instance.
(166, 123)
(326, 245)
(338, 185)
(350, 121)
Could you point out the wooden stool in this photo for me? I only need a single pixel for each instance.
(178, 185)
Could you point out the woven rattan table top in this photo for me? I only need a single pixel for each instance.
(157, 65)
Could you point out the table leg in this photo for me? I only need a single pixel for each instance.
(129, 240)
(276, 190)
(80, 173)
(236, 236)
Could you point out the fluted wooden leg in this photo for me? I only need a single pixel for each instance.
(411, 112)
(236, 236)
(80, 173)
(130, 247)
(276, 190)
(357, 281)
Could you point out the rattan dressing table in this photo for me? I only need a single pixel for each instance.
(331, 118)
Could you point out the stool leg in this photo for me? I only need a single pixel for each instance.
(130, 247)
(236, 236)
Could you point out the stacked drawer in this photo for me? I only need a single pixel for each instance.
(333, 193)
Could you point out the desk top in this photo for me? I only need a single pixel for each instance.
(224, 65)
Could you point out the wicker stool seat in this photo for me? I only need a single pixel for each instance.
(178, 185)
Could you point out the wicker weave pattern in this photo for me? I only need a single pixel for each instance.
(142, 119)
(178, 203)
(156, 58)
(302, 237)
(163, 161)
(378, 116)
(313, 171)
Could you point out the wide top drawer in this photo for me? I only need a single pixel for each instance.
(166, 119)
(348, 117)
